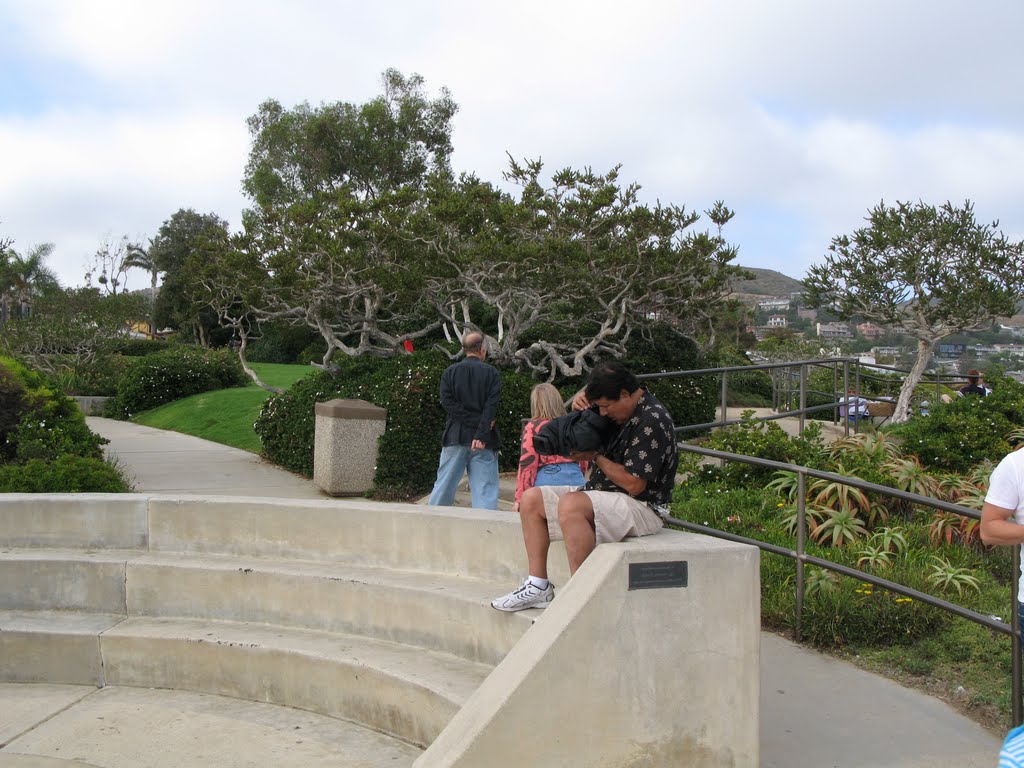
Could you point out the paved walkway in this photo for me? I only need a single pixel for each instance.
(816, 711)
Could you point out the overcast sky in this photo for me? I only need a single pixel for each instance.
(799, 114)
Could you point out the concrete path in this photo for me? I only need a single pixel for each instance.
(816, 711)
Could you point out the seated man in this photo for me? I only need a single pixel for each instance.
(630, 476)
(974, 386)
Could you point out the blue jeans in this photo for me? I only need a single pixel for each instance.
(483, 476)
(563, 473)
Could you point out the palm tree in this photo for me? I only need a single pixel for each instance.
(27, 275)
(139, 258)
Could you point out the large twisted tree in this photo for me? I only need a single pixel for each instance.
(571, 270)
(331, 188)
(931, 271)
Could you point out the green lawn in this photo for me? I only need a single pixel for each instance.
(225, 415)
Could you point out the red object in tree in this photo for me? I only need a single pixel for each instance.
(408, 345)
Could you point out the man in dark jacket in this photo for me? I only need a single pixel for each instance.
(469, 393)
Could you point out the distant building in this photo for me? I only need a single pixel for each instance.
(886, 351)
(773, 305)
(834, 331)
(871, 331)
(777, 321)
(950, 350)
(1013, 349)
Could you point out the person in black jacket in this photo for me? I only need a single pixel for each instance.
(974, 386)
(631, 479)
(469, 393)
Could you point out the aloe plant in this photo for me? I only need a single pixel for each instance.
(840, 527)
(947, 576)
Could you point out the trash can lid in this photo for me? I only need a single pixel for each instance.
(351, 409)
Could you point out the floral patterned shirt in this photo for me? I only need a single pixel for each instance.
(646, 446)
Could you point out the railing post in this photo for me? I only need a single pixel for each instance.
(803, 394)
(725, 397)
(835, 386)
(846, 395)
(938, 387)
(801, 533)
(856, 389)
(1015, 662)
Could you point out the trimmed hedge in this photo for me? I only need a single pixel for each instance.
(173, 374)
(45, 445)
(65, 474)
(407, 386)
(49, 423)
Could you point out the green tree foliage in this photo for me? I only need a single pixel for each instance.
(331, 187)
(73, 333)
(185, 244)
(45, 445)
(571, 270)
(932, 271)
(23, 278)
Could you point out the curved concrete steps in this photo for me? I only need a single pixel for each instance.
(341, 610)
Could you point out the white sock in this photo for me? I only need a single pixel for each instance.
(538, 582)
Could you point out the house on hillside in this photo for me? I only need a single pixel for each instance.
(774, 305)
(870, 331)
(834, 331)
(777, 321)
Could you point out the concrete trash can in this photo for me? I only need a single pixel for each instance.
(345, 446)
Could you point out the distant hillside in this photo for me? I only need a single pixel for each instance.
(768, 282)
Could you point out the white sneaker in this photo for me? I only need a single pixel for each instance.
(528, 595)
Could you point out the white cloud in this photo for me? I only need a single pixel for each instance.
(800, 115)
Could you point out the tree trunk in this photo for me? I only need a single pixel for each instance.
(249, 371)
(152, 306)
(902, 412)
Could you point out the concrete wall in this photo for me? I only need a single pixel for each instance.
(608, 675)
(611, 677)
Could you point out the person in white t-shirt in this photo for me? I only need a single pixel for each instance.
(1002, 516)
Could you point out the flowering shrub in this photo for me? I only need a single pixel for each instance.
(958, 435)
(171, 375)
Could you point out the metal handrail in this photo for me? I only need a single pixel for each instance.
(802, 558)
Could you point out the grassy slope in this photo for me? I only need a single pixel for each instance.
(226, 415)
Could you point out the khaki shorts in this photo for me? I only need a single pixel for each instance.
(616, 515)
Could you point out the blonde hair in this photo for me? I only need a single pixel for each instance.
(546, 402)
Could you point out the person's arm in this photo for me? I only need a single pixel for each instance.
(619, 475)
(449, 401)
(526, 477)
(998, 526)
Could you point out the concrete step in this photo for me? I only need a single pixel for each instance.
(405, 692)
(62, 580)
(75, 520)
(466, 543)
(430, 611)
(61, 727)
(53, 646)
